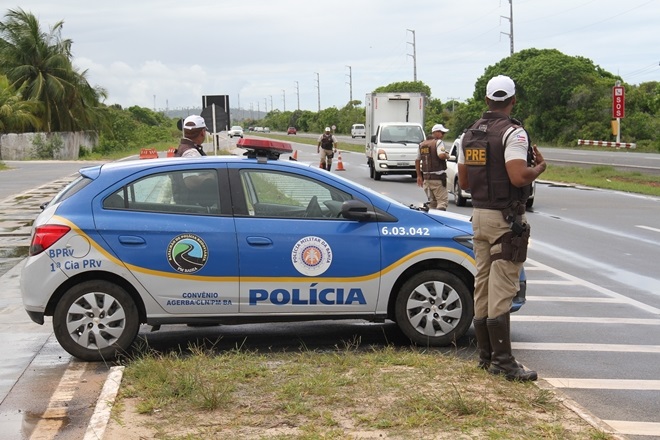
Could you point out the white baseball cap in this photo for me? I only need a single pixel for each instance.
(439, 127)
(194, 121)
(327, 128)
(500, 88)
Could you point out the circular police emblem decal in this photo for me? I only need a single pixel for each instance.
(187, 253)
(311, 256)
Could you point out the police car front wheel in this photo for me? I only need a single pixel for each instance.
(96, 320)
(434, 308)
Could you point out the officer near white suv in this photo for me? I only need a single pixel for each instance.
(431, 166)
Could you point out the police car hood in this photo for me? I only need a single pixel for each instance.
(451, 219)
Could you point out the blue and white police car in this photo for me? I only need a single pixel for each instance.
(226, 240)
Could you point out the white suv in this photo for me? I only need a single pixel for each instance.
(236, 130)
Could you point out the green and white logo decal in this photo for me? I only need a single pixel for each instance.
(187, 253)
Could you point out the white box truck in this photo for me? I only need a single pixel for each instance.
(395, 127)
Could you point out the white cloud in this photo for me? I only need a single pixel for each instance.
(256, 51)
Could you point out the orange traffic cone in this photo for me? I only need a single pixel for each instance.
(295, 155)
(171, 151)
(340, 164)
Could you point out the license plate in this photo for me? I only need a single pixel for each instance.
(403, 164)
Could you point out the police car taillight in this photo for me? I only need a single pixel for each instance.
(45, 236)
(264, 149)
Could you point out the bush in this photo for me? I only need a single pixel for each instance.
(46, 148)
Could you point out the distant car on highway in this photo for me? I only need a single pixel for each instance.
(236, 130)
(291, 130)
(461, 196)
(358, 130)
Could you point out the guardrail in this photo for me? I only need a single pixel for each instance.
(607, 144)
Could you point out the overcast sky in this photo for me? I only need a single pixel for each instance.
(263, 53)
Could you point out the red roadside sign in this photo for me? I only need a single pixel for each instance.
(618, 102)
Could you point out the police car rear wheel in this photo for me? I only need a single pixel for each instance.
(96, 320)
(434, 308)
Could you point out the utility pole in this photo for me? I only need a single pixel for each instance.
(154, 102)
(510, 18)
(350, 83)
(284, 99)
(271, 103)
(414, 55)
(453, 101)
(318, 87)
(298, 94)
(266, 105)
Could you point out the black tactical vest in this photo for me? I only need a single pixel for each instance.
(483, 151)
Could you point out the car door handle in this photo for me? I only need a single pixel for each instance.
(259, 241)
(131, 239)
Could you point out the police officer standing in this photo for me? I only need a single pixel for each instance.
(326, 145)
(498, 165)
(431, 166)
(194, 132)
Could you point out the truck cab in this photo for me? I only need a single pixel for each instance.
(394, 149)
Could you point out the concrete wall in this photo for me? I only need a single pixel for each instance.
(20, 146)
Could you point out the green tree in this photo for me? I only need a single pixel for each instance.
(405, 87)
(557, 94)
(38, 64)
(15, 113)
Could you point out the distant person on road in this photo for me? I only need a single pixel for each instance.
(498, 164)
(327, 145)
(194, 133)
(431, 166)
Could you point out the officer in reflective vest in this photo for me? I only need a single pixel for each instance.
(431, 167)
(498, 165)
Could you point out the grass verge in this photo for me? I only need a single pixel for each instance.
(346, 393)
(604, 177)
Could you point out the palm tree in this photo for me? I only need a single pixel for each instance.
(39, 65)
(15, 113)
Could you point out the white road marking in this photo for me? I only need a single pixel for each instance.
(584, 320)
(577, 299)
(648, 228)
(599, 289)
(604, 384)
(53, 418)
(557, 346)
(634, 428)
(101, 416)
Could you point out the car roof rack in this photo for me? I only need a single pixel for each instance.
(263, 149)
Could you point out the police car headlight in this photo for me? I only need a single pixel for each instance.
(465, 240)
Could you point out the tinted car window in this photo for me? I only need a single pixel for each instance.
(275, 194)
(71, 189)
(181, 191)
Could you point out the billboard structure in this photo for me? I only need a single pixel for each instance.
(215, 111)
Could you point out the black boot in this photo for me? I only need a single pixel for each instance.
(483, 342)
(329, 166)
(502, 361)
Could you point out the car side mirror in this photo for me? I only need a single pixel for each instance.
(356, 210)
